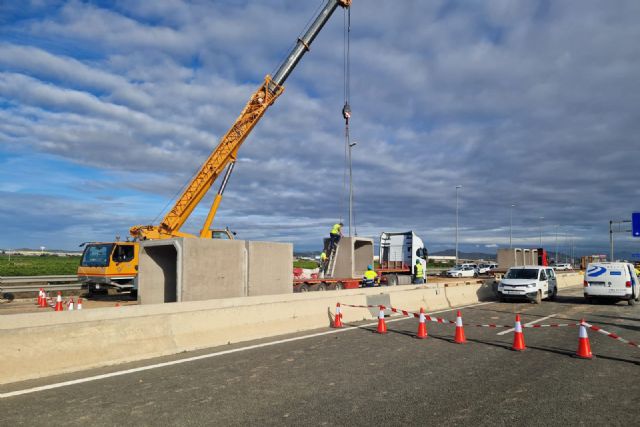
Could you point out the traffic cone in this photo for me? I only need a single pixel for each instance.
(39, 303)
(59, 302)
(518, 336)
(422, 325)
(337, 320)
(382, 326)
(79, 306)
(584, 347)
(460, 338)
(70, 305)
(117, 304)
(43, 300)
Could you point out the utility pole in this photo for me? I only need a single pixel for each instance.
(457, 188)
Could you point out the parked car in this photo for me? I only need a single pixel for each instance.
(611, 280)
(533, 282)
(486, 268)
(563, 266)
(462, 271)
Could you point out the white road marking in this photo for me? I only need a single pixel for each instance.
(208, 356)
(533, 322)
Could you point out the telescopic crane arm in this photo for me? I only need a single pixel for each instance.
(226, 152)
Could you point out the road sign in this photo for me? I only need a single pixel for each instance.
(635, 256)
(635, 224)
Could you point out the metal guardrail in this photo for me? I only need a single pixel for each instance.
(33, 283)
(12, 280)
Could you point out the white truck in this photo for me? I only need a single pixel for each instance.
(399, 252)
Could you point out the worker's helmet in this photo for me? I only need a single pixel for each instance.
(369, 267)
(341, 223)
(417, 261)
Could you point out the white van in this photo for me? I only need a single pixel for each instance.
(611, 280)
(533, 282)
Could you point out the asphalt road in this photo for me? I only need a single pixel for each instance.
(357, 377)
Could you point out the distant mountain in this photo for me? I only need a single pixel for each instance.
(465, 255)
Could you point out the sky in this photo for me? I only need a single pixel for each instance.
(107, 108)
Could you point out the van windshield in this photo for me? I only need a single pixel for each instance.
(96, 255)
(522, 273)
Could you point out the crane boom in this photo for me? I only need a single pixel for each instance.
(227, 149)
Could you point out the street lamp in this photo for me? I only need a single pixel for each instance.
(541, 218)
(556, 258)
(511, 224)
(351, 145)
(457, 188)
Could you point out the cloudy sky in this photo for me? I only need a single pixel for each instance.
(107, 109)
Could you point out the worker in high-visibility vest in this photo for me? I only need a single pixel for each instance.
(323, 257)
(335, 235)
(418, 273)
(370, 277)
(638, 269)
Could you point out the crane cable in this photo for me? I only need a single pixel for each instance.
(346, 113)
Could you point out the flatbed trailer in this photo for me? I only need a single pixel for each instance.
(388, 277)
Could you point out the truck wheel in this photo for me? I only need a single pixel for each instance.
(392, 280)
(538, 299)
(322, 287)
(339, 286)
(304, 288)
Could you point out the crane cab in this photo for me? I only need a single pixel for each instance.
(108, 265)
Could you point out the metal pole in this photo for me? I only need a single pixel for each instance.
(611, 240)
(350, 188)
(457, 188)
(556, 258)
(541, 218)
(511, 225)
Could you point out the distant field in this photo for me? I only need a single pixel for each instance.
(38, 265)
(305, 264)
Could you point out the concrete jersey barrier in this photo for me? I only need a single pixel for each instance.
(75, 340)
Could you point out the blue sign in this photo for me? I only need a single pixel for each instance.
(635, 224)
(635, 256)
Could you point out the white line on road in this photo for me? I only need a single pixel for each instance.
(207, 356)
(533, 322)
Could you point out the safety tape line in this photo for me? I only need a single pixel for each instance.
(441, 320)
(611, 335)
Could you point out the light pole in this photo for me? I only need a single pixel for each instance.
(541, 218)
(556, 257)
(457, 188)
(511, 224)
(351, 145)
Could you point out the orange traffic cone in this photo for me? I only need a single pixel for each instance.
(422, 326)
(518, 336)
(117, 304)
(59, 302)
(39, 302)
(460, 338)
(42, 302)
(584, 347)
(382, 326)
(79, 304)
(70, 305)
(337, 320)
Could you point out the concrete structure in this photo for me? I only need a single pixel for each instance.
(73, 340)
(190, 269)
(516, 256)
(354, 254)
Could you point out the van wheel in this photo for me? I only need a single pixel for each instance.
(631, 301)
(538, 299)
(475, 274)
(554, 293)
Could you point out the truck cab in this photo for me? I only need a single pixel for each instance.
(399, 252)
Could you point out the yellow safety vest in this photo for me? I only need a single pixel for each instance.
(370, 275)
(336, 229)
(419, 271)
(323, 256)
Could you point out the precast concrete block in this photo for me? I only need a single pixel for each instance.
(269, 268)
(354, 254)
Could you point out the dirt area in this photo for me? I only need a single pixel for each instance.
(28, 305)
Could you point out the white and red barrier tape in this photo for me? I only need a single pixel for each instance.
(441, 320)
(611, 335)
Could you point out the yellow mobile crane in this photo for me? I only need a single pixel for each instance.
(115, 264)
